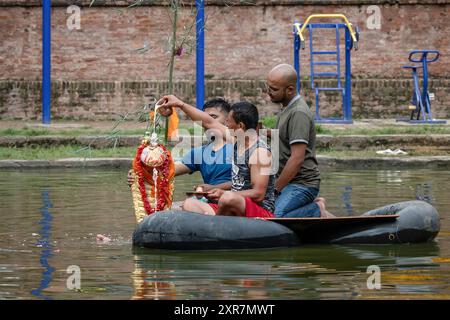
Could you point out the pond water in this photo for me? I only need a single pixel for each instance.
(51, 219)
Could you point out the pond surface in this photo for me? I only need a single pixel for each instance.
(51, 219)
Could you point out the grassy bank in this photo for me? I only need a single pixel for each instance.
(112, 132)
(268, 122)
(64, 152)
(34, 132)
(370, 129)
(391, 130)
(61, 152)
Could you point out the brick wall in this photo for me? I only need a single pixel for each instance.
(98, 70)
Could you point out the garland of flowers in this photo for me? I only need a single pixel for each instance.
(165, 173)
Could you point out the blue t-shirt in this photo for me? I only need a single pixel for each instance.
(214, 166)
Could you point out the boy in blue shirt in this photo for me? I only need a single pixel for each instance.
(213, 159)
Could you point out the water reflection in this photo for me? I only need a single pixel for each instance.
(314, 272)
(45, 244)
(91, 201)
(424, 192)
(347, 200)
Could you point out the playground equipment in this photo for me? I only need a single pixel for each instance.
(351, 41)
(420, 103)
(46, 57)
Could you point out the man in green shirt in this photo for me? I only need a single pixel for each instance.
(298, 178)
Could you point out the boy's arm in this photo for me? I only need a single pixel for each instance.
(181, 168)
(260, 167)
(195, 114)
(222, 186)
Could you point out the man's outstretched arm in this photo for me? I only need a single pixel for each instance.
(195, 114)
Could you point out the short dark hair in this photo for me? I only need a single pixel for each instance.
(247, 113)
(218, 103)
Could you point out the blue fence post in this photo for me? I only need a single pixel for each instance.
(200, 54)
(46, 60)
(348, 75)
(297, 56)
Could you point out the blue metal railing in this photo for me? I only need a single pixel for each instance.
(46, 61)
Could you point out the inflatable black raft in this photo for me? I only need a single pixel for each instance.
(404, 222)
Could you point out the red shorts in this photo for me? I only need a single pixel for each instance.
(252, 209)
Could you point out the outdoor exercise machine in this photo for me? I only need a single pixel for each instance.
(420, 102)
(47, 47)
(351, 41)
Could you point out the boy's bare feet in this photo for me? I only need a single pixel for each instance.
(323, 211)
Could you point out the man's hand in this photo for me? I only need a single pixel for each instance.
(215, 194)
(166, 104)
(277, 186)
(130, 178)
(165, 111)
(170, 101)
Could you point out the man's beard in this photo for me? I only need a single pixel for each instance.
(280, 100)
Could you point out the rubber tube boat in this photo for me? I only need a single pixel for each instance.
(403, 222)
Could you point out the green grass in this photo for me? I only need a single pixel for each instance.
(391, 130)
(270, 123)
(32, 132)
(67, 132)
(65, 152)
(61, 152)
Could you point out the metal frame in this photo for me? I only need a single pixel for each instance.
(351, 40)
(200, 54)
(421, 99)
(47, 47)
(46, 61)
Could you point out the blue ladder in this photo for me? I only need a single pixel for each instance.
(336, 74)
(345, 89)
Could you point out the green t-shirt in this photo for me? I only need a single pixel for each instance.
(295, 124)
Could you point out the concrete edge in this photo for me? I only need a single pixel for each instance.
(436, 162)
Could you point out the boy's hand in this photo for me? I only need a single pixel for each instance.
(204, 187)
(215, 194)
